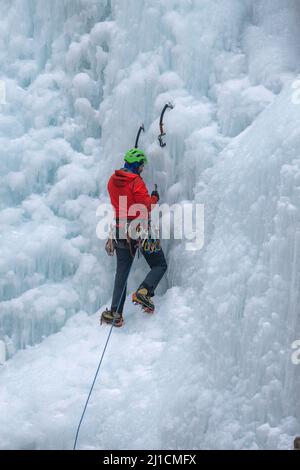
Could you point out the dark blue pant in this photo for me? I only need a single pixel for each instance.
(157, 263)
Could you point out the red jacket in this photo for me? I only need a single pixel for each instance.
(124, 183)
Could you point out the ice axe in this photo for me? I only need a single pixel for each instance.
(161, 124)
(141, 129)
(161, 127)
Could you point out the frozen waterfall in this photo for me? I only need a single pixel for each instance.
(213, 368)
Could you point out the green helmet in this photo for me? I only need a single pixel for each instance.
(135, 156)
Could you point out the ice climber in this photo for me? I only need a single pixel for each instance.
(127, 183)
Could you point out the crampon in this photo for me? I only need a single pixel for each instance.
(112, 318)
(142, 299)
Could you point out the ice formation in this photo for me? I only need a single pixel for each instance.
(213, 368)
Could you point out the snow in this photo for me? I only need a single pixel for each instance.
(45, 383)
(213, 368)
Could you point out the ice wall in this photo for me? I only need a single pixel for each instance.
(81, 76)
(53, 55)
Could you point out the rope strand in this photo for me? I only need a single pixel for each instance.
(100, 363)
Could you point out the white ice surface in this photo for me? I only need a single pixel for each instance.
(213, 368)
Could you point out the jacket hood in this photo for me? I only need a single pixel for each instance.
(122, 178)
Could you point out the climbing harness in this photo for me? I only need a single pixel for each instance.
(145, 237)
(111, 243)
(161, 124)
(136, 241)
(110, 247)
(151, 243)
(151, 246)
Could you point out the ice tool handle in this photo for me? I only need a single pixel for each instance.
(141, 129)
(161, 125)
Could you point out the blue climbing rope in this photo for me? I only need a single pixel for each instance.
(100, 363)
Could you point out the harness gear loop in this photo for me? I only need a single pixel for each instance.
(111, 243)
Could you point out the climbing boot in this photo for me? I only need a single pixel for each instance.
(142, 298)
(112, 318)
